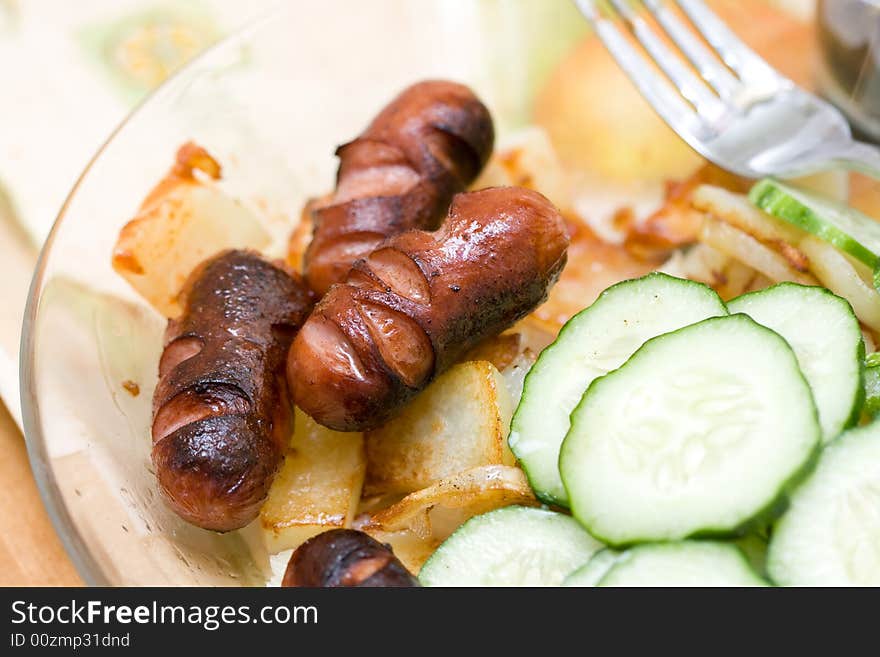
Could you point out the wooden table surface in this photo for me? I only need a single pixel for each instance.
(31, 553)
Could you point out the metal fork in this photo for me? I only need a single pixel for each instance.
(741, 114)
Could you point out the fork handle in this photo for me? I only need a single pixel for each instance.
(858, 156)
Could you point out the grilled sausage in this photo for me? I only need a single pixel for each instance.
(345, 557)
(221, 411)
(414, 305)
(428, 144)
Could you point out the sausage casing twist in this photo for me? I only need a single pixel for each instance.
(412, 307)
(428, 144)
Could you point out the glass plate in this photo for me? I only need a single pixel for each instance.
(271, 103)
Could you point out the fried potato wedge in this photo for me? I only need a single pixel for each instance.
(789, 265)
(779, 251)
(514, 353)
(459, 422)
(419, 522)
(318, 487)
(706, 264)
(738, 211)
(843, 277)
(183, 221)
(701, 263)
(412, 551)
(737, 279)
(440, 508)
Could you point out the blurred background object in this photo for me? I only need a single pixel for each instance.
(70, 72)
(849, 38)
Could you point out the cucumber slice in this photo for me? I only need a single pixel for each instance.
(872, 386)
(592, 343)
(825, 335)
(872, 391)
(685, 563)
(844, 227)
(700, 432)
(513, 546)
(754, 547)
(594, 570)
(830, 536)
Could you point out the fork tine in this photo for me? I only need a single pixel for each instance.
(656, 90)
(688, 84)
(716, 74)
(737, 55)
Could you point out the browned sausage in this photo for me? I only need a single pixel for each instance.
(419, 301)
(428, 144)
(345, 557)
(221, 411)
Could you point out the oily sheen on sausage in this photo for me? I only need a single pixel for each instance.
(429, 143)
(414, 305)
